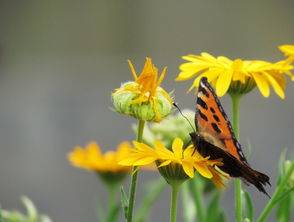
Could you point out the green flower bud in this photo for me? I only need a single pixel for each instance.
(151, 110)
(170, 128)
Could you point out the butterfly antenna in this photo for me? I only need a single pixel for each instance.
(175, 105)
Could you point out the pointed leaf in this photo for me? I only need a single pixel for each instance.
(153, 190)
(213, 208)
(249, 213)
(113, 215)
(284, 209)
(125, 201)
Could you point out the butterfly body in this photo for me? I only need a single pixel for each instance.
(215, 138)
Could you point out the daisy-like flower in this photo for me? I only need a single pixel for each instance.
(235, 76)
(143, 98)
(177, 164)
(106, 165)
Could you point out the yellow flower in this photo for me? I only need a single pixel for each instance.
(235, 76)
(144, 98)
(175, 164)
(106, 165)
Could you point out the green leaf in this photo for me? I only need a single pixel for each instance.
(222, 217)
(284, 209)
(125, 201)
(248, 151)
(249, 213)
(281, 165)
(30, 207)
(1, 218)
(153, 190)
(113, 215)
(213, 208)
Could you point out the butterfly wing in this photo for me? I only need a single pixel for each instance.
(212, 122)
(215, 138)
(232, 166)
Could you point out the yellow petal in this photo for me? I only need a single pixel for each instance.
(190, 57)
(162, 151)
(188, 168)
(262, 84)
(203, 170)
(143, 147)
(164, 163)
(93, 149)
(161, 76)
(145, 161)
(223, 82)
(177, 147)
(184, 75)
(133, 70)
(278, 89)
(210, 74)
(207, 56)
(189, 151)
(130, 159)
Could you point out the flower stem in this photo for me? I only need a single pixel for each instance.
(174, 197)
(276, 195)
(197, 191)
(141, 124)
(238, 188)
(111, 199)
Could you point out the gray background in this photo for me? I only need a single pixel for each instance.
(60, 60)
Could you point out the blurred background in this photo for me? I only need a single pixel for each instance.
(61, 59)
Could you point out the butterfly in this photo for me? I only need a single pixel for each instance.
(215, 138)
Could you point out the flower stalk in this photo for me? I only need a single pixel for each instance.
(238, 186)
(197, 191)
(112, 201)
(141, 124)
(174, 199)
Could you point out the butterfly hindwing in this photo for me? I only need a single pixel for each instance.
(212, 122)
(231, 165)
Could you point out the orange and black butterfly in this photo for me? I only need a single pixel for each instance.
(215, 138)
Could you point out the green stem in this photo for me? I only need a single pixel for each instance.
(197, 191)
(238, 188)
(141, 124)
(276, 195)
(174, 197)
(112, 201)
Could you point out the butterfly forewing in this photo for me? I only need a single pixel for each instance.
(212, 122)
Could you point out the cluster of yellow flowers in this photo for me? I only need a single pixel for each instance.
(144, 99)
